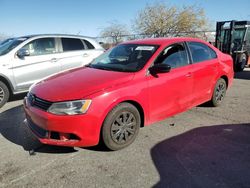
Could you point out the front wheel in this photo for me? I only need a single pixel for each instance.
(219, 92)
(4, 94)
(121, 126)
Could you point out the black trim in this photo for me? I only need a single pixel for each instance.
(42, 133)
(38, 102)
(188, 52)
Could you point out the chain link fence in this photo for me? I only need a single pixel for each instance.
(110, 41)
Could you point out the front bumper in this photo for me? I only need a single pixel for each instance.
(74, 131)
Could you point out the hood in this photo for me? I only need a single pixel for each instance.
(78, 84)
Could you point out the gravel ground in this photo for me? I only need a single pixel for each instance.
(203, 147)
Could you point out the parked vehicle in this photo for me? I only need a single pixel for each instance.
(130, 86)
(233, 37)
(6, 40)
(26, 60)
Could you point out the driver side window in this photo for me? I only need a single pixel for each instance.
(41, 46)
(174, 55)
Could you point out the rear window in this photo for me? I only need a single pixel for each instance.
(71, 44)
(88, 44)
(201, 52)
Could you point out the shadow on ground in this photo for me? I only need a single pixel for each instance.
(12, 128)
(245, 75)
(215, 156)
(17, 97)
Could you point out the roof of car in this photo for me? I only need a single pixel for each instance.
(54, 35)
(161, 41)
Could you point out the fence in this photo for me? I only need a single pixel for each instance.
(110, 41)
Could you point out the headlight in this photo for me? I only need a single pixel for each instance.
(70, 107)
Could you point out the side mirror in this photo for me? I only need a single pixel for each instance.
(159, 68)
(22, 53)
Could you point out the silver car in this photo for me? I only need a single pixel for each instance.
(26, 60)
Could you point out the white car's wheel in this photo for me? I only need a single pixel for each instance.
(4, 94)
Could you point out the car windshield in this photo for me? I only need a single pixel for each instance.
(125, 58)
(6, 40)
(8, 46)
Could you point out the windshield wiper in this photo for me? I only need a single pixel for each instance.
(103, 68)
(95, 66)
(98, 67)
(88, 65)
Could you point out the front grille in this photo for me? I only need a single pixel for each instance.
(36, 129)
(38, 102)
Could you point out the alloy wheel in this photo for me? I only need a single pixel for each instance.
(123, 128)
(1, 94)
(220, 92)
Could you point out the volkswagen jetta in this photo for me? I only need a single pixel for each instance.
(130, 86)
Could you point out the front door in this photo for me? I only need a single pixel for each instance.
(41, 62)
(170, 93)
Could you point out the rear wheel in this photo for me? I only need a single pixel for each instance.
(4, 94)
(219, 92)
(121, 126)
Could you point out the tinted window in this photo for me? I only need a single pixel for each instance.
(88, 44)
(174, 55)
(201, 52)
(41, 46)
(70, 44)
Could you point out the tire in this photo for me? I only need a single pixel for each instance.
(121, 126)
(4, 94)
(241, 62)
(219, 92)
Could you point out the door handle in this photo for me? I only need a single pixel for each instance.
(85, 55)
(53, 60)
(188, 74)
(6, 65)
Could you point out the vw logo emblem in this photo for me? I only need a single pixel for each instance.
(32, 100)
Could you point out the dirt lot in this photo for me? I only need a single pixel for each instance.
(206, 147)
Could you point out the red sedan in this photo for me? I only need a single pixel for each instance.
(130, 86)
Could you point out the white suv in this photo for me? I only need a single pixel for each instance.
(26, 60)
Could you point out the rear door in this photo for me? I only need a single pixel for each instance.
(170, 93)
(90, 51)
(205, 71)
(39, 64)
(76, 52)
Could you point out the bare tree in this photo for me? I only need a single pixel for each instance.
(115, 31)
(160, 20)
